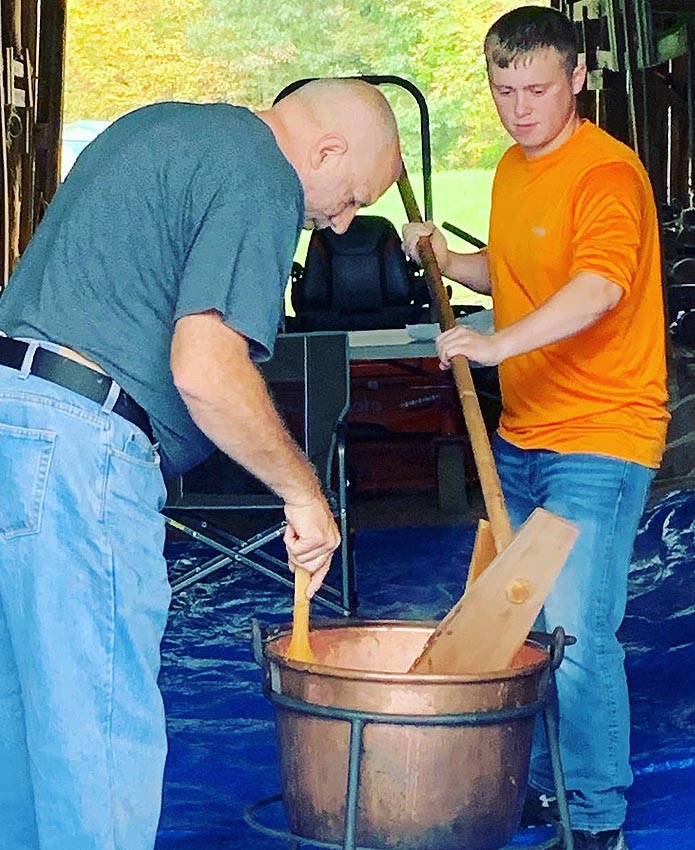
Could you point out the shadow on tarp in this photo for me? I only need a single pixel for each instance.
(222, 754)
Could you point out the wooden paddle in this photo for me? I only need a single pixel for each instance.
(484, 551)
(507, 582)
(299, 648)
(489, 624)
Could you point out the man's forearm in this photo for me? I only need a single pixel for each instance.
(578, 305)
(575, 307)
(229, 402)
(242, 421)
(471, 270)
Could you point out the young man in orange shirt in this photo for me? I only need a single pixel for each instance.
(573, 267)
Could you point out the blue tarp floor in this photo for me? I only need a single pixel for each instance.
(222, 752)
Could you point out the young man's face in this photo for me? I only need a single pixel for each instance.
(535, 99)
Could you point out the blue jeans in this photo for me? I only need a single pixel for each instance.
(84, 597)
(605, 497)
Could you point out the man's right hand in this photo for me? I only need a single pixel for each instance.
(311, 537)
(414, 231)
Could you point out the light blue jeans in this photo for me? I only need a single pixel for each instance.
(84, 597)
(605, 497)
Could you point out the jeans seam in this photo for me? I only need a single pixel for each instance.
(111, 767)
(601, 650)
(111, 647)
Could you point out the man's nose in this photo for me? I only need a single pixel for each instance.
(341, 222)
(522, 105)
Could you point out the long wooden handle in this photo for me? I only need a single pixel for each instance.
(482, 452)
(299, 648)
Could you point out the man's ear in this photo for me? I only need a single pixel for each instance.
(578, 79)
(327, 146)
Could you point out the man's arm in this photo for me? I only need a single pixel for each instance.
(469, 269)
(578, 305)
(228, 400)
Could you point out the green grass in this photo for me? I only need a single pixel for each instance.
(459, 197)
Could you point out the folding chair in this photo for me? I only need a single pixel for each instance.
(309, 381)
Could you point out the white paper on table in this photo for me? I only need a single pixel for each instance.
(481, 321)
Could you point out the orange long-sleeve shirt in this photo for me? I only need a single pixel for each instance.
(586, 206)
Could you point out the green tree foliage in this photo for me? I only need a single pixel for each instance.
(451, 71)
(122, 55)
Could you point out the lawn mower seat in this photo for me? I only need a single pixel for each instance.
(358, 280)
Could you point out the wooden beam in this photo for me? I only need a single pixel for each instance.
(49, 103)
(30, 42)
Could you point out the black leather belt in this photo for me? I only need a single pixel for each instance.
(73, 376)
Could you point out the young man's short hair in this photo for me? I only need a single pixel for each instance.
(527, 29)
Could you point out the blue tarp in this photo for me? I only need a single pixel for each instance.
(222, 745)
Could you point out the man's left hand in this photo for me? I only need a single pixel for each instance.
(485, 349)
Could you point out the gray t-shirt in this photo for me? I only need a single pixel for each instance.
(174, 209)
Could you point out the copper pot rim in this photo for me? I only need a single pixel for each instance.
(284, 631)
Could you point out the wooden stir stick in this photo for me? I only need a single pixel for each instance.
(299, 648)
(475, 424)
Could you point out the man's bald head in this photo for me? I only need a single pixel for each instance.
(342, 139)
(355, 107)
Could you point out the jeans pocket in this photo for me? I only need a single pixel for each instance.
(25, 460)
(138, 448)
(135, 477)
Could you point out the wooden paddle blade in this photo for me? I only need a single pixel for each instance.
(484, 630)
(299, 648)
(484, 552)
